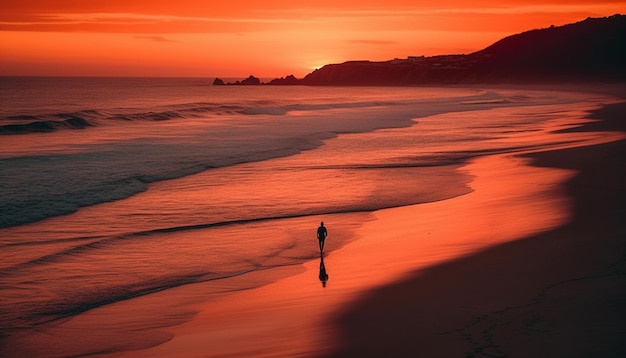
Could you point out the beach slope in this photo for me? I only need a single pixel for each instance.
(559, 293)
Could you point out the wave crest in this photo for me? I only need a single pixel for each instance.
(44, 123)
(45, 126)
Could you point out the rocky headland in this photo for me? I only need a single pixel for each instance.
(588, 51)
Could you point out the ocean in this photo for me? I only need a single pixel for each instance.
(115, 188)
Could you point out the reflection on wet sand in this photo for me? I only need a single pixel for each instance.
(323, 274)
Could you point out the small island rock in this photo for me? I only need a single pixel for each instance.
(251, 81)
(286, 81)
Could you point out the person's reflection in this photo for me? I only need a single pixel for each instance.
(323, 274)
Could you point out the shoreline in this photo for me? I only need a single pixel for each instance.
(291, 316)
(287, 312)
(369, 265)
(353, 322)
(558, 293)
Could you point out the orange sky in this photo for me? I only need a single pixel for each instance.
(269, 38)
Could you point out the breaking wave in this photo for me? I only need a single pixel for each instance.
(49, 122)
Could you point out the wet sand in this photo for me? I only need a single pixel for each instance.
(533, 266)
(549, 282)
(531, 263)
(558, 293)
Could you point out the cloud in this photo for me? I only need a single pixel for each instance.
(116, 16)
(138, 23)
(155, 38)
(373, 42)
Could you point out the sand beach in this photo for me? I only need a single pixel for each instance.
(558, 292)
(530, 263)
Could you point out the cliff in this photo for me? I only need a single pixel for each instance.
(590, 50)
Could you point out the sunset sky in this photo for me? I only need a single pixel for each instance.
(269, 38)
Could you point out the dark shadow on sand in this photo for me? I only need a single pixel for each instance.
(557, 294)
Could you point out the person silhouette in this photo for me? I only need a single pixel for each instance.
(321, 235)
(323, 274)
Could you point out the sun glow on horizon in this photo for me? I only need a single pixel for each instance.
(275, 38)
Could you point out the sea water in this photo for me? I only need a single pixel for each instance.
(113, 188)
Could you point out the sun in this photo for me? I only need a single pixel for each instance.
(317, 64)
